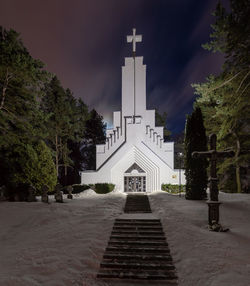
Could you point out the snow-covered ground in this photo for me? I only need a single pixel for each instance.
(63, 244)
(202, 257)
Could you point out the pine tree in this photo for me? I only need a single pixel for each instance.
(21, 122)
(224, 99)
(94, 134)
(57, 103)
(66, 127)
(79, 116)
(21, 80)
(30, 164)
(195, 169)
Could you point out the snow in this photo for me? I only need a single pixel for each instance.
(62, 244)
(203, 257)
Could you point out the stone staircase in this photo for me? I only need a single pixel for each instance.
(137, 249)
(137, 203)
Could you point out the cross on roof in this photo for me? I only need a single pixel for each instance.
(134, 39)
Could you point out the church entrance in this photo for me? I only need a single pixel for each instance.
(135, 183)
(135, 179)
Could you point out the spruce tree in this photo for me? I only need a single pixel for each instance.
(46, 170)
(30, 164)
(195, 169)
(71, 173)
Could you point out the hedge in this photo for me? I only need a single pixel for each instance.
(174, 189)
(101, 188)
(104, 188)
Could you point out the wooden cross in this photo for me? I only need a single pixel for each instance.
(134, 39)
(213, 155)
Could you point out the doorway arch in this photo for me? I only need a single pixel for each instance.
(135, 179)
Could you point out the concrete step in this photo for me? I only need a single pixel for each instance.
(137, 204)
(138, 212)
(138, 233)
(142, 275)
(137, 236)
(138, 257)
(137, 250)
(136, 220)
(138, 265)
(137, 223)
(137, 243)
(139, 227)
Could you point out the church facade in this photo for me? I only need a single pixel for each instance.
(135, 157)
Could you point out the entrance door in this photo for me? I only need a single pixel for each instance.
(135, 183)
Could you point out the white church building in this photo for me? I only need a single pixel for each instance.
(135, 157)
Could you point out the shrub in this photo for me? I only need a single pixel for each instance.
(104, 188)
(100, 188)
(78, 188)
(173, 189)
(31, 165)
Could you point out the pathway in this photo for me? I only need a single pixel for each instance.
(137, 248)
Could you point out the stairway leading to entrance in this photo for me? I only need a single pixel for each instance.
(137, 248)
(137, 203)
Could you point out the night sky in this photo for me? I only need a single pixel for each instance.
(83, 42)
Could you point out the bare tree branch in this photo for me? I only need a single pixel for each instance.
(242, 81)
(7, 79)
(224, 83)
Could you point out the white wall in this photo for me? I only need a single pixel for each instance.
(142, 143)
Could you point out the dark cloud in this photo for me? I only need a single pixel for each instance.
(83, 43)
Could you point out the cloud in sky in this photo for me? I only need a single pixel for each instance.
(83, 43)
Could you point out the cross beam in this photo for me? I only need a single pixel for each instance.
(213, 155)
(134, 39)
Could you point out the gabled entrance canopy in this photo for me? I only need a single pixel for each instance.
(135, 179)
(134, 169)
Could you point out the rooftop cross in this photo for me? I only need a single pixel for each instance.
(134, 39)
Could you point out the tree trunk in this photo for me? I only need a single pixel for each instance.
(237, 165)
(3, 97)
(5, 85)
(57, 155)
(65, 174)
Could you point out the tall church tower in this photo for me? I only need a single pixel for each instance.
(134, 82)
(135, 157)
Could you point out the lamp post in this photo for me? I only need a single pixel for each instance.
(180, 157)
